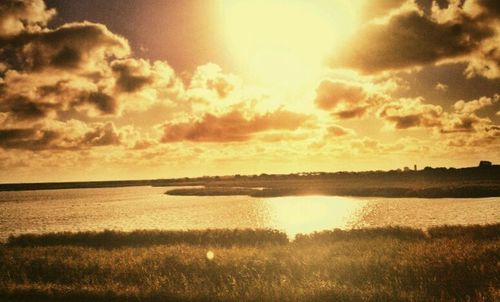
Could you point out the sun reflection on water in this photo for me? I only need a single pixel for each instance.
(306, 214)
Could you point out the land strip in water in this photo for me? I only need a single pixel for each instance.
(427, 183)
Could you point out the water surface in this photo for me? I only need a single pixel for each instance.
(131, 208)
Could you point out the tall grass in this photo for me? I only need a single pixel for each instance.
(400, 233)
(476, 232)
(113, 239)
(472, 232)
(388, 264)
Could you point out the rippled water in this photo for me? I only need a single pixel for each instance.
(133, 208)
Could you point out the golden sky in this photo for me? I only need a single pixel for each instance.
(121, 89)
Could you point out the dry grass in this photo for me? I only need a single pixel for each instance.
(389, 264)
(114, 239)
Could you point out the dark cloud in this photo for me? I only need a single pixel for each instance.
(66, 58)
(329, 94)
(64, 138)
(131, 76)
(231, 127)
(22, 108)
(411, 39)
(465, 119)
(351, 113)
(105, 103)
(20, 15)
(56, 89)
(74, 72)
(343, 100)
(405, 121)
(72, 46)
(463, 124)
(27, 139)
(491, 8)
(410, 113)
(413, 113)
(101, 135)
(48, 101)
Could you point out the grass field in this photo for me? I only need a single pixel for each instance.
(388, 264)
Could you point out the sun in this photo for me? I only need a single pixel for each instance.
(285, 42)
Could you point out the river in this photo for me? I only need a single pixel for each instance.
(131, 208)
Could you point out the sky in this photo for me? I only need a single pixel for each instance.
(126, 89)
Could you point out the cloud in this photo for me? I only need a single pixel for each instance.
(22, 108)
(76, 95)
(231, 127)
(345, 100)
(412, 38)
(337, 131)
(330, 94)
(464, 119)
(463, 107)
(411, 113)
(281, 136)
(132, 75)
(32, 139)
(209, 83)
(23, 15)
(465, 123)
(101, 135)
(72, 135)
(350, 113)
(414, 113)
(441, 87)
(34, 96)
(105, 103)
(365, 145)
(486, 61)
(139, 84)
(377, 9)
(486, 9)
(77, 69)
(80, 47)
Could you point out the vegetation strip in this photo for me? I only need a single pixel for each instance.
(450, 263)
(245, 237)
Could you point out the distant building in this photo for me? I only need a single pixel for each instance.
(485, 164)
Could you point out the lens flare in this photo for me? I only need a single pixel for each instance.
(210, 255)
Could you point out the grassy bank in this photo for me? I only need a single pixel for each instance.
(352, 189)
(387, 264)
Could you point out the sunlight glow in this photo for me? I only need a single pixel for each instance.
(284, 42)
(306, 214)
